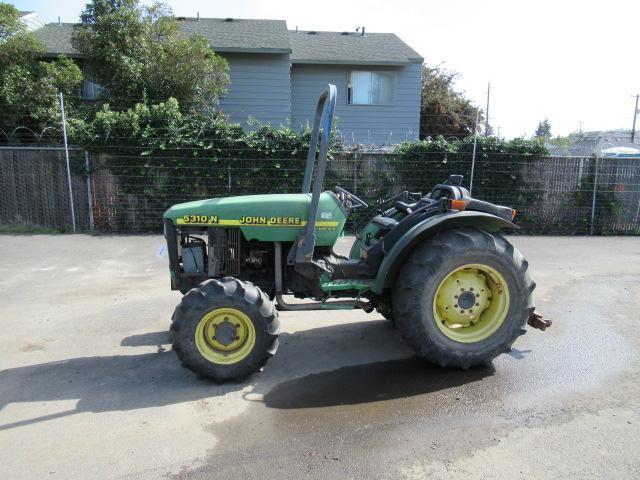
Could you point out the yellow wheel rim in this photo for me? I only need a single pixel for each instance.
(471, 303)
(225, 336)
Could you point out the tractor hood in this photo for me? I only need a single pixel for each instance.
(278, 217)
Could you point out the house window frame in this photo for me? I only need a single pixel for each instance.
(391, 73)
(88, 84)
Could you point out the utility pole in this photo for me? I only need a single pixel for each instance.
(635, 114)
(486, 118)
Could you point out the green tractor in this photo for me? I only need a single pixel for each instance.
(434, 265)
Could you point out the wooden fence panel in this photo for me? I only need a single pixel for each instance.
(34, 189)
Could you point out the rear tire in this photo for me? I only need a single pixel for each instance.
(225, 329)
(437, 319)
(385, 308)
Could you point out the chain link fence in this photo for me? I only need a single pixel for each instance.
(553, 195)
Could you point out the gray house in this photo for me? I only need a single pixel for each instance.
(277, 75)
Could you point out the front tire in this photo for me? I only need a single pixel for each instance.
(463, 297)
(225, 329)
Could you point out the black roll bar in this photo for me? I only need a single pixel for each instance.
(302, 251)
(324, 116)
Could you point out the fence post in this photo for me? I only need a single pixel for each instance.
(89, 193)
(473, 155)
(355, 173)
(66, 154)
(593, 199)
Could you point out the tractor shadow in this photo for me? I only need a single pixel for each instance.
(159, 339)
(374, 382)
(310, 370)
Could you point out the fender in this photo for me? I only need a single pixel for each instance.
(431, 226)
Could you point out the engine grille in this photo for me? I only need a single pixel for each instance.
(224, 251)
(232, 252)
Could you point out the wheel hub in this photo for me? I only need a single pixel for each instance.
(471, 302)
(466, 300)
(462, 297)
(225, 335)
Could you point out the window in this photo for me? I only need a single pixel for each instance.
(90, 89)
(370, 88)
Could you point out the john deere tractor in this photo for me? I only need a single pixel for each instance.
(435, 265)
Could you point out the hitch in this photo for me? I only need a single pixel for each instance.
(536, 321)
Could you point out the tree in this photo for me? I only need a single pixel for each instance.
(32, 92)
(138, 53)
(543, 130)
(444, 111)
(29, 86)
(16, 45)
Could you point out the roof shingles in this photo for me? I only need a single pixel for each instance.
(268, 36)
(350, 48)
(240, 35)
(57, 38)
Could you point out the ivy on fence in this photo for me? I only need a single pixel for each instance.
(151, 156)
(162, 157)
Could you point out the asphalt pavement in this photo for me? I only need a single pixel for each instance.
(89, 387)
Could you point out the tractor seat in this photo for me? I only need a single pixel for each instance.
(385, 223)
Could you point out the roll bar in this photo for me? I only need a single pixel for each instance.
(302, 252)
(324, 116)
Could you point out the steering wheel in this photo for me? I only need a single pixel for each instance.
(346, 196)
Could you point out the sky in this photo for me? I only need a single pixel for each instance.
(575, 62)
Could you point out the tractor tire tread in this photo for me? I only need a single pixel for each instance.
(412, 311)
(216, 293)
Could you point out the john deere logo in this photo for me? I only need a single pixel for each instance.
(270, 221)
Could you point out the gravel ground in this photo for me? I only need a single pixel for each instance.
(90, 388)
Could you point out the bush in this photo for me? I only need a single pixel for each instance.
(162, 156)
(500, 173)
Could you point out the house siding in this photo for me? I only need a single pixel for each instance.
(260, 88)
(368, 124)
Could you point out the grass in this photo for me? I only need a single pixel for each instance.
(29, 229)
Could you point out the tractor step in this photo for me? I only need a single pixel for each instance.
(360, 285)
